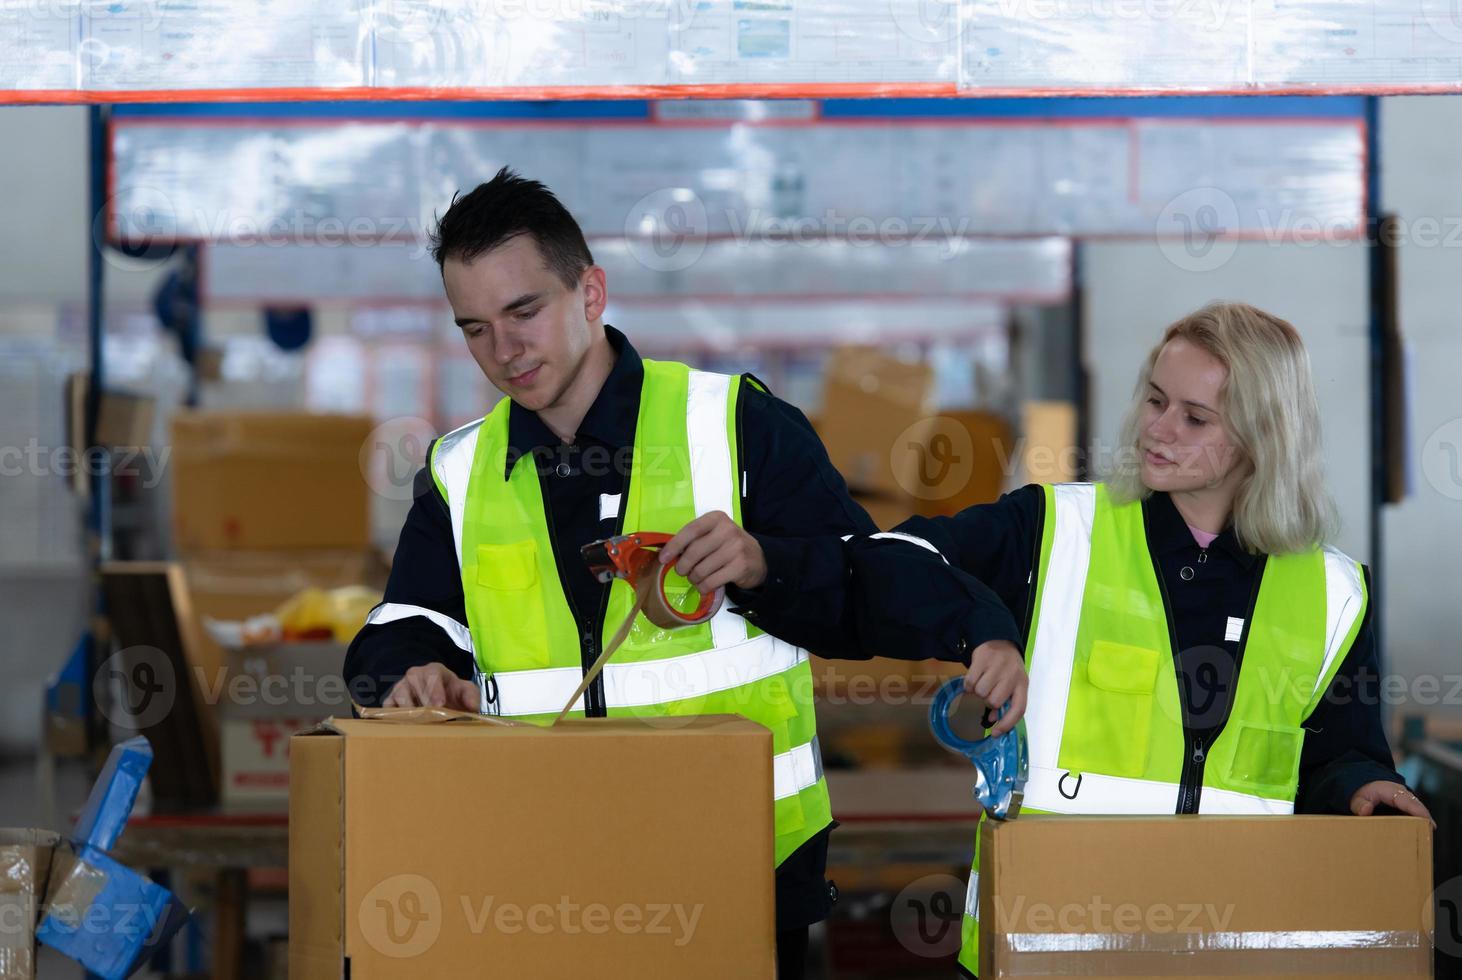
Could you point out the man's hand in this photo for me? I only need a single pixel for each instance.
(997, 674)
(1383, 792)
(433, 685)
(712, 551)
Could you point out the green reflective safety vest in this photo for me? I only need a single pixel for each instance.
(526, 638)
(1104, 719)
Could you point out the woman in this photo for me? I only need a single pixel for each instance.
(1191, 644)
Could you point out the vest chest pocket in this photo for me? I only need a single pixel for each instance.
(1108, 725)
(1266, 758)
(513, 606)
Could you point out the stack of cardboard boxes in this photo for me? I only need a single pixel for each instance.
(900, 454)
(265, 505)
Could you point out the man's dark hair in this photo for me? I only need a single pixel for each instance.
(504, 208)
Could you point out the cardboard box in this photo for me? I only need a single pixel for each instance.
(474, 846)
(272, 681)
(124, 425)
(950, 484)
(25, 863)
(263, 694)
(871, 404)
(1050, 454)
(941, 464)
(255, 757)
(238, 585)
(269, 480)
(1206, 896)
(157, 610)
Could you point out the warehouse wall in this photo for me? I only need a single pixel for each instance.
(43, 174)
(1422, 158)
(42, 604)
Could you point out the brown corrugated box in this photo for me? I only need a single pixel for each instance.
(254, 755)
(1050, 429)
(269, 480)
(468, 848)
(898, 454)
(870, 402)
(238, 585)
(25, 862)
(262, 695)
(276, 690)
(1205, 896)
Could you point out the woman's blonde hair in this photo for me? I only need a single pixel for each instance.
(1269, 411)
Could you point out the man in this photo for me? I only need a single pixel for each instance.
(591, 441)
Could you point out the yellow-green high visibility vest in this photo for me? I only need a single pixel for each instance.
(524, 635)
(1104, 720)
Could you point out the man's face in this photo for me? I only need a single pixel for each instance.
(525, 328)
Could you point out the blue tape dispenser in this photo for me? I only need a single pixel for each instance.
(1001, 761)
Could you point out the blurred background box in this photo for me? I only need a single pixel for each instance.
(269, 481)
(871, 401)
(262, 694)
(238, 585)
(991, 448)
(274, 690)
(254, 752)
(158, 611)
(124, 423)
(932, 465)
(1050, 435)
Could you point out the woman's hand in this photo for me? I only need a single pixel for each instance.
(997, 674)
(1384, 792)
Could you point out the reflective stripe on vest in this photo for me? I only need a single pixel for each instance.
(713, 482)
(390, 612)
(1063, 581)
(1052, 791)
(451, 468)
(797, 769)
(645, 682)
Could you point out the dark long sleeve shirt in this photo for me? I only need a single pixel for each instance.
(907, 598)
(793, 501)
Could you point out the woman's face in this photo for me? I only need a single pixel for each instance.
(1184, 443)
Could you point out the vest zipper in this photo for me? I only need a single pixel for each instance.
(1198, 752)
(588, 648)
(1189, 784)
(1190, 788)
(1197, 743)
